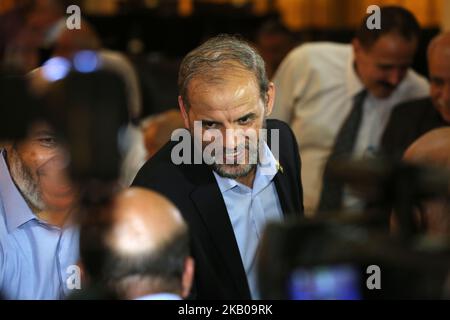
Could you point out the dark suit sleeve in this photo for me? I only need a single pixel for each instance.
(408, 122)
(290, 157)
(138, 180)
(144, 178)
(298, 166)
(153, 174)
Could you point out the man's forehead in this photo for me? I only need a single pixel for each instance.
(221, 76)
(203, 85)
(216, 102)
(440, 43)
(440, 52)
(40, 128)
(392, 42)
(439, 63)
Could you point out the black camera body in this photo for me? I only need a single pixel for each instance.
(314, 259)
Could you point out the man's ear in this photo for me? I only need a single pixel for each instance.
(357, 46)
(184, 112)
(270, 99)
(188, 277)
(7, 145)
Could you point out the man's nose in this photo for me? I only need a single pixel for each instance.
(60, 160)
(234, 137)
(395, 77)
(446, 93)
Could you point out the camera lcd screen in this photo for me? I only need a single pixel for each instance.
(333, 282)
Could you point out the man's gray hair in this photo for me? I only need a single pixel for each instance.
(218, 54)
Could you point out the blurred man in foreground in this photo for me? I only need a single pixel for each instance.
(38, 241)
(433, 149)
(143, 248)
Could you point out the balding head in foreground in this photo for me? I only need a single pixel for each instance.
(146, 246)
(433, 149)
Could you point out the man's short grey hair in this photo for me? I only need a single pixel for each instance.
(219, 54)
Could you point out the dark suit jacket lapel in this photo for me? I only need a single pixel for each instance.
(283, 190)
(282, 183)
(211, 206)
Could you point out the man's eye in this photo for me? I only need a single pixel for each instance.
(245, 120)
(48, 141)
(209, 124)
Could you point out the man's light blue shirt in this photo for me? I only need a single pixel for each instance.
(160, 296)
(250, 209)
(34, 256)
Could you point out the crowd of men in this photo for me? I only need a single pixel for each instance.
(192, 230)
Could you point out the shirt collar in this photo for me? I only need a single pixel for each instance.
(160, 296)
(224, 184)
(354, 84)
(17, 211)
(265, 172)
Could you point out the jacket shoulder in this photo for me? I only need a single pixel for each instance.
(285, 130)
(413, 107)
(157, 167)
(277, 124)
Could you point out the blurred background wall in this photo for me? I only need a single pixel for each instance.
(156, 34)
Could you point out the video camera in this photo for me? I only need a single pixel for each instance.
(330, 259)
(347, 255)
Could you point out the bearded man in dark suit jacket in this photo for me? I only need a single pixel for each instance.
(242, 181)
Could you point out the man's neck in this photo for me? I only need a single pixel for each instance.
(55, 218)
(248, 179)
(134, 290)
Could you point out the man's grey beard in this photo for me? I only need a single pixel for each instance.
(24, 181)
(235, 170)
(240, 170)
(243, 171)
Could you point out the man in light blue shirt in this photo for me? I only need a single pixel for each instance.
(38, 242)
(250, 209)
(214, 172)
